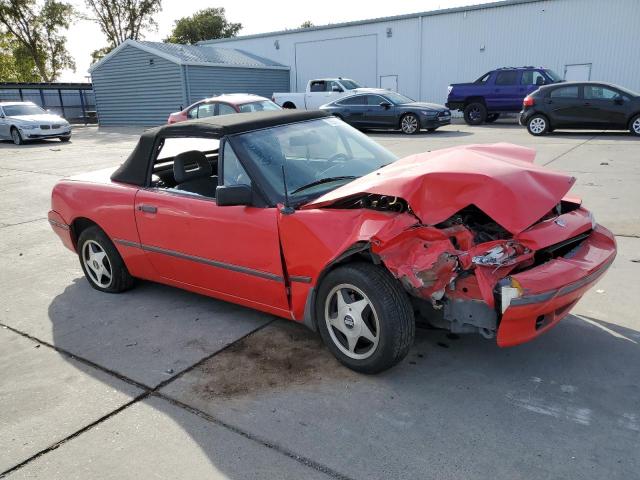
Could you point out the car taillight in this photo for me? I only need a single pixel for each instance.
(528, 102)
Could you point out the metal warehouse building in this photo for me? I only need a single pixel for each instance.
(141, 83)
(421, 54)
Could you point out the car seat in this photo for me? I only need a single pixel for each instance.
(195, 180)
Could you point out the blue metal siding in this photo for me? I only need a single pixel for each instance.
(131, 91)
(203, 81)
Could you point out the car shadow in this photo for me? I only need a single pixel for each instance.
(440, 366)
(36, 143)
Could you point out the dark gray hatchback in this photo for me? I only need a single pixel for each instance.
(389, 110)
(581, 105)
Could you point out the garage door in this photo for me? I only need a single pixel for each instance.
(351, 57)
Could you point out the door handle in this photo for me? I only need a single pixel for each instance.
(148, 208)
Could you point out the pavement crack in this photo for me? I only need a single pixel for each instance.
(306, 461)
(6, 225)
(570, 150)
(146, 390)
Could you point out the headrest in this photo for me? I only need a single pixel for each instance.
(191, 165)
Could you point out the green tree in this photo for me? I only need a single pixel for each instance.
(15, 63)
(306, 24)
(35, 37)
(206, 24)
(122, 20)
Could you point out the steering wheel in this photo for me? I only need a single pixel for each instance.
(337, 160)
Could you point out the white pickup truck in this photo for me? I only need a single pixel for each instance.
(319, 92)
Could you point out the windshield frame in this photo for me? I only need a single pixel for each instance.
(274, 193)
(389, 96)
(41, 111)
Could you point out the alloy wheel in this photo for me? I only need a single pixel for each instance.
(537, 125)
(352, 321)
(409, 124)
(15, 136)
(636, 126)
(97, 263)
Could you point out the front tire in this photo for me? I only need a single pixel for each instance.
(475, 113)
(65, 139)
(16, 136)
(431, 130)
(101, 263)
(538, 125)
(634, 125)
(364, 317)
(410, 124)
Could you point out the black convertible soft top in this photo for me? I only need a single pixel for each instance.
(136, 168)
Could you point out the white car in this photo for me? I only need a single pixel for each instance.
(319, 92)
(23, 121)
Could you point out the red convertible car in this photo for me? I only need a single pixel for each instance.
(301, 216)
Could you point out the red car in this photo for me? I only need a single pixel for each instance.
(224, 105)
(299, 215)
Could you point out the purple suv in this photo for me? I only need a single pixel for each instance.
(498, 91)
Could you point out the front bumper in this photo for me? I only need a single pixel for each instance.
(39, 134)
(553, 288)
(435, 122)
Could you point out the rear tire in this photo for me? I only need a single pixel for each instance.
(475, 113)
(410, 124)
(16, 136)
(538, 125)
(365, 317)
(634, 125)
(289, 106)
(101, 263)
(492, 117)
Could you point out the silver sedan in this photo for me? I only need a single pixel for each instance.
(23, 121)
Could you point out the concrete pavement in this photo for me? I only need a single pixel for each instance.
(162, 383)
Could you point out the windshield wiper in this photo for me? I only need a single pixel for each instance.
(324, 180)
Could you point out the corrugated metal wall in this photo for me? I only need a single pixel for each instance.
(430, 52)
(204, 81)
(130, 90)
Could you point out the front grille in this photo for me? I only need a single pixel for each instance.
(55, 126)
(44, 127)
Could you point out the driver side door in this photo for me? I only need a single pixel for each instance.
(4, 125)
(229, 252)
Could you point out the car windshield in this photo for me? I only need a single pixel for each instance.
(349, 84)
(554, 76)
(18, 110)
(259, 106)
(398, 99)
(317, 155)
(631, 93)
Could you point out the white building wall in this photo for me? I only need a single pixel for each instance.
(460, 46)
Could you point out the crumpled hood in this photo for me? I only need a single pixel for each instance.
(500, 179)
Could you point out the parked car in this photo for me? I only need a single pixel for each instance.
(318, 92)
(498, 91)
(581, 105)
(384, 109)
(223, 105)
(299, 215)
(24, 121)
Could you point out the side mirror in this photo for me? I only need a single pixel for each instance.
(540, 81)
(230, 195)
(335, 88)
(385, 105)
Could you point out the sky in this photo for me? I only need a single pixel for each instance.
(256, 16)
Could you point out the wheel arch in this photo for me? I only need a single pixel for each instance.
(358, 252)
(289, 104)
(79, 225)
(474, 99)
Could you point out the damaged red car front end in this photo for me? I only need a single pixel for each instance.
(495, 245)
